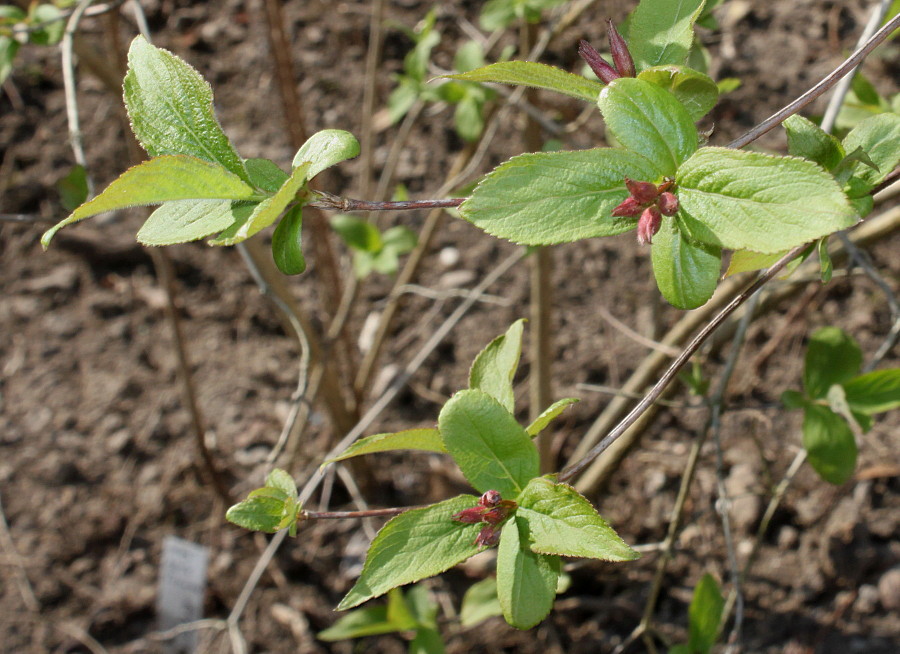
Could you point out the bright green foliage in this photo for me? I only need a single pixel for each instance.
(500, 14)
(468, 97)
(661, 31)
(879, 138)
(874, 392)
(526, 580)
(704, 615)
(188, 220)
(495, 366)
(286, 243)
(325, 149)
(49, 17)
(808, 140)
(412, 83)
(424, 440)
(489, 446)
(373, 250)
(696, 91)
(534, 75)
(417, 544)
(270, 508)
(832, 357)
(73, 188)
(862, 102)
(829, 443)
(480, 603)
(686, 271)
(265, 174)
(549, 415)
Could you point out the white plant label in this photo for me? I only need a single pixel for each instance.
(182, 585)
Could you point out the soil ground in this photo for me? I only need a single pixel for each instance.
(97, 458)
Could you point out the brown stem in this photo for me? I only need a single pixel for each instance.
(332, 202)
(368, 513)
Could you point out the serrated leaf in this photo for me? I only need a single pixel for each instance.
(832, 357)
(480, 603)
(661, 31)
(536, 76)
(265, 174)
(287, 250)
(368, 621)
(752, 201)
(556, 197)
(489, 446)
(266, 212)
(874, 392)
(170, 106)
(830, 444)
(697, 91)
(526, 581)
(704, 615)
(417, 544)
(357, 233)
(183, 221)
(686, 272)
(808, 140)
(325, 149)
(561, 521)
(648, 120)
(495, 366)
(159, 180)
(423, 440)
(879, 138)
(549, 415)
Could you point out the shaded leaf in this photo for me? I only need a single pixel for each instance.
(693, 89)
(287, 243)
(879, 138)
(686, 272)
(830, 444)
(368, 621)
(832, 357)
(704, 615)
(480, 603)
(808, 140)
(265, 174)
(874, 392)
(661, 31)
(526, 581)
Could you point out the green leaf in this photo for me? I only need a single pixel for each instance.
(402, 98)
(648, 120)
(561, 521)
(534, 75)
(480, 603)
(661, 31)
(265, 174)
(398, 611)
(832, 357)
(549, 415)
(728, 84)
(266, 212)
(526, 581)
(369, 621)
(556, 197)
(793, 399)
(495, 366)
(55, 26)
(423, 440)
(489, 446)
(73, 188)
(468, 120)
(325, 149)
(879, 138)
(704, 615)
(808, 140)
(266, 509)
(171, 109)
(752, 201)
(417, 544)
(826, 267)
(422, 607)
(399, 239)
(162, 179)
(282, 480)
(286, 243)
(829, 444)
(183, 221)
(357, 233)
(427, 641)
(8, 49)
(686, 272)
(874, 392)
(747, 260)
(693, 89)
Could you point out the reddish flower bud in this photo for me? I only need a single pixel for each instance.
(667, 184)
(628, 207)
(668, 203)
(490, 499)
(470, 516)
(648, 225)
(643, 192)
(620, 54)
(601, 69)
(488, 536)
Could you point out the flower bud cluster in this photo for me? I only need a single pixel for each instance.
(492, 510)
(651, 203)
(620, 55)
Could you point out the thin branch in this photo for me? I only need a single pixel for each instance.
(851, 62)
(332, 202)
(354, 515)
(68, 71)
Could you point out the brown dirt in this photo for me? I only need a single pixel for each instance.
(97, 461)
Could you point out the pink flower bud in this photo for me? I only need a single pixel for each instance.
(601, 69)
(628, 207)
(668, 203)
(648, 225)
(490, 499)
(470, 516)
(620, 54)
(488, 536)
(667, 184)
(643, 192)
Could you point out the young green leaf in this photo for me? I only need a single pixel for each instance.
(549, 415)
(73, 188)
(556, 197)
(53, 24)
(695, 90)
(832, 357)
(874, 392)
(829, 442)
(417, 544)
(561, 521)
(752, 201)
(399, 239)
(808, 140)
(183, 221)
(661, 31)
(265, 174)
(879, 138)
(704, 615)
(480, 603)
(159, 180)
(423, 440)
(357, 233)
(282, 480)
(648, 120)
(266, 212)
(495, 366)
(826, 267)
(421, 605)
(8, 49)
(534, 75)
(526, 581)
(286, 243)
(489, 446)
(747, 260)
(686, 272)
(325, 149)
(368, 621)
(427, 641)
(171, 109)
